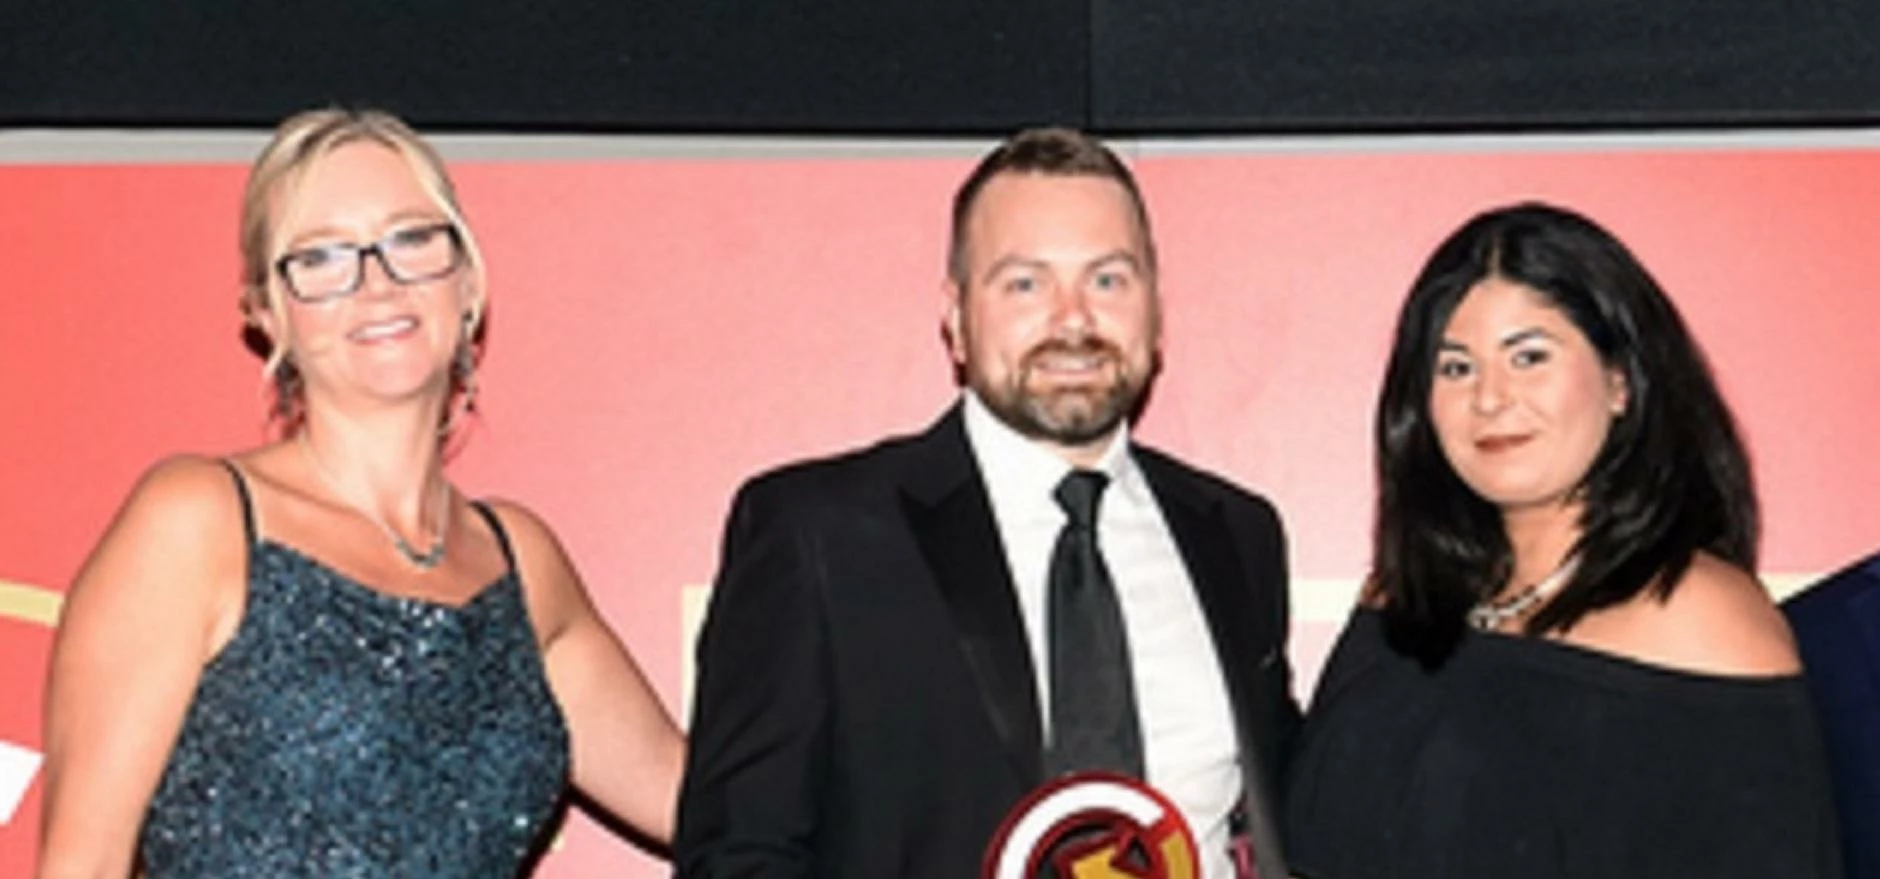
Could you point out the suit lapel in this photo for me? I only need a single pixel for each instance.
(1864, 608)
(1207, 547)
(951, 518)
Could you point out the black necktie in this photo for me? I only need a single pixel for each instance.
(1093, 699)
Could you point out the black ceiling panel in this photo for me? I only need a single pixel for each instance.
(700, 66)
(948, 66)
(1379, 65)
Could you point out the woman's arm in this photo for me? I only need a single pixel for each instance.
(159, 594)
(627, 752)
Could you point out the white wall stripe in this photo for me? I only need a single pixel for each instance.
(18, 765)
(181, 146)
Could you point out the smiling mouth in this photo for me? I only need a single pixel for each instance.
(1071, 361)
(1494, 444)
(385, 329)
(1061, 364)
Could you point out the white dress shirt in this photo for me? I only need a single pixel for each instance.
(1189, 747)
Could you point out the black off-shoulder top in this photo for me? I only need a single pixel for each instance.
(1531, 758)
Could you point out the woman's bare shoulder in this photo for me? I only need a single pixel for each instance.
(183, 494)
(549, 578)
(171, 560)
(1718, 619)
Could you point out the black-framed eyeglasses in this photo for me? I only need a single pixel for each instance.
(409, 255)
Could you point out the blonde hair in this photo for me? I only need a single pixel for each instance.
(275, 178)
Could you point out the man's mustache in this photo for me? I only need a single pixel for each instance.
(1089, 346)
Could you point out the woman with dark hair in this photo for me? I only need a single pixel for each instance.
(1563, 664)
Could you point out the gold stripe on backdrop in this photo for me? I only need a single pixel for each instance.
(31, 604)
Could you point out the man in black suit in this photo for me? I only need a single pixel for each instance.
(887, 666)
(1837, 628)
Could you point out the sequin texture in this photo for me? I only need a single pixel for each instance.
(343, 732)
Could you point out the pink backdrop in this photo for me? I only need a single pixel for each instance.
(662, 328)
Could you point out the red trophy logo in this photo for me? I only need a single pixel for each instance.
(1093, 825)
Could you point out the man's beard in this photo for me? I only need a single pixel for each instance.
(1072, 415)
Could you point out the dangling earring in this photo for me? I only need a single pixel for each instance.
(463, 380)
(463, 367)
(288, 386)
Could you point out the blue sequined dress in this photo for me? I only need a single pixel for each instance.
(343, 732)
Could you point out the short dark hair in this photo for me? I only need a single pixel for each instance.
(1053, 151)
(1672, 478)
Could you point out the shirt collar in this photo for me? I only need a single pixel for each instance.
(1021, 474)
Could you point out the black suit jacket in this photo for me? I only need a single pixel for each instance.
(865, 704)
(1837, 627)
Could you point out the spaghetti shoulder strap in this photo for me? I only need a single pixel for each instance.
(248, 504)
(496, 526)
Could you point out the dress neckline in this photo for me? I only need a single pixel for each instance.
(1592, 662)
(350, 585)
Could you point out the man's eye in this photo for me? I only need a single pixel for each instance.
(1021, 285)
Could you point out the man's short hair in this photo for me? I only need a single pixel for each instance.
(1051, 151)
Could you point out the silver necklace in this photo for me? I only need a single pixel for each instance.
(423, 561)
(1489, 614)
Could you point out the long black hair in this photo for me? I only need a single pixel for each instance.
(1672, 478)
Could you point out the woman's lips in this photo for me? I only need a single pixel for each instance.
(379, 331)
(1493, 444)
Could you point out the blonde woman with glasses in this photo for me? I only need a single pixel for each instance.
(318, 657)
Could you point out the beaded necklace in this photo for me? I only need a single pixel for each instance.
(1491, 613)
